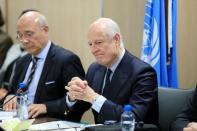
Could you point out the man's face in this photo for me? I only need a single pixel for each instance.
(31, 35)
(104, 47)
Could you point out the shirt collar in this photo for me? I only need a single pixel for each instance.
(114, 66)
(44, 52)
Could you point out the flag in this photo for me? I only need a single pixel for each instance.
(172, 66)
(154, 48)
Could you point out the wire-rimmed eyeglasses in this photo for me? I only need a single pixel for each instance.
(26, 35)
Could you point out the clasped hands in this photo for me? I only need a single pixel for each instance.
(80, 90)
(192, 126)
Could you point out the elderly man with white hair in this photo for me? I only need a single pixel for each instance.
(117, 78)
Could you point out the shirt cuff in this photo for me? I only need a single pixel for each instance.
(69, 103)
(98, 103)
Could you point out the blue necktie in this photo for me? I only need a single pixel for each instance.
(33, 68)
(107, 83)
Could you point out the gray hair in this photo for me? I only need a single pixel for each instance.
(42, 20)
(112, 28)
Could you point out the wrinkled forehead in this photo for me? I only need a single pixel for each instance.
(98, 30)
(95, 34)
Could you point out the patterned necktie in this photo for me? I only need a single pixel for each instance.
(107, 83)
(33, 68)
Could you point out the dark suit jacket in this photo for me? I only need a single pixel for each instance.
(189, 114)
(59, 67)
(5, 44)
(134, 82)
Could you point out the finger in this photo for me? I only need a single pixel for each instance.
(75, 88)
(71, 88)
(85, 82)
(190, 124)
(31, 111)
(70, 83)
(67, 88)
(71, 97)
(74, 78)
(77, 95)
(187, 129)
(76, 81)
(14, 103)
(69, 94)
(36, 113)
(5, 107)
(81, 84)
(9, 102)
(11, 105)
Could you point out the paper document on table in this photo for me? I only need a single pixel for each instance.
(55, 125)
(14, 124)
(6, 115)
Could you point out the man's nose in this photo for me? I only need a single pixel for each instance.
(24, 40)
(94, 49)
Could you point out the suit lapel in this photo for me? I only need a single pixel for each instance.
(120, 76)
(46, 69)
(24, 68)
(20, 71)
(97, 83)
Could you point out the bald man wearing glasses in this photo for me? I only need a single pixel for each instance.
(46, 77)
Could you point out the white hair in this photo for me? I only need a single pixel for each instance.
(112, 28)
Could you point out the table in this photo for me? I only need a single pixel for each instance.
(44, 119)
(48, 123)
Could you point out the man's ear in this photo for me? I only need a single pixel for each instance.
(117, 37)
(46, 28)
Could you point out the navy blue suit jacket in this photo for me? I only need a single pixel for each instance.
(189, 114)
(59, 68)
(134, 82)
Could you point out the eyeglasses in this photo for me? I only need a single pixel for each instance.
(26, 35)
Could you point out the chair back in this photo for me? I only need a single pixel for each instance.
(171, 101)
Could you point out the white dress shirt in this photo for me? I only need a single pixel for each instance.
(39, 67)
(98, 103)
